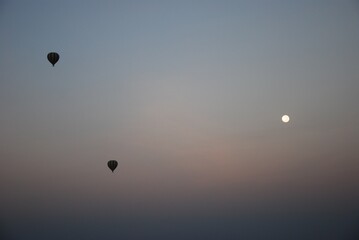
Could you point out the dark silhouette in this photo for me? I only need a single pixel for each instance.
(112, 164)
(53, 57)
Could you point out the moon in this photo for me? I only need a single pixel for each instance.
(285, 118)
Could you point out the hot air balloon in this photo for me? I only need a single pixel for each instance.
(53, 57)
(112, 164)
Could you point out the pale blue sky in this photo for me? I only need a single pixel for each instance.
(188, 97)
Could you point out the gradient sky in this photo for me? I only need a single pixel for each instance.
(188, 97)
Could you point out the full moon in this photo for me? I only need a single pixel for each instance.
(285, 118)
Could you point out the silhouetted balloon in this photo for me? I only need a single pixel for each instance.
(112, 164)
(53, 58)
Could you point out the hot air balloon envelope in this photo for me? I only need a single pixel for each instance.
(53, 57)
(112, 164)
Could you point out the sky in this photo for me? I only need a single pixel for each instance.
(188, 97)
